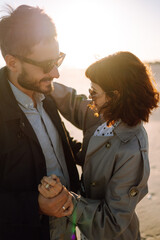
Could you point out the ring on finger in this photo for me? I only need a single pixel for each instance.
(47, 186)
(64, 208)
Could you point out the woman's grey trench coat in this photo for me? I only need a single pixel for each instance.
(115, 172)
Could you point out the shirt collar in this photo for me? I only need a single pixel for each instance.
(25, 100)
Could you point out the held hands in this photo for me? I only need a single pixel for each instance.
(54, 199)
(50, 186)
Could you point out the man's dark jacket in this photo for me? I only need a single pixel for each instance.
(22, 166)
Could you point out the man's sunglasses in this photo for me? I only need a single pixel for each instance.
(47, 65)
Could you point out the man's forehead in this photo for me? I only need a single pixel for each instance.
(45, 50)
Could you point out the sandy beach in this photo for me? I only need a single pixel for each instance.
(148, 209)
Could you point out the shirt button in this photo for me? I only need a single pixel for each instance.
(108, 144)
(133, 192)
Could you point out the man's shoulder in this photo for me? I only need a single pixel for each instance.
(3, 77)
(3, 71)
(49, 100)
(49, 105)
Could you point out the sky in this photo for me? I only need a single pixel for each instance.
(91, 29)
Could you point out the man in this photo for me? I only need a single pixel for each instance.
(33, 140)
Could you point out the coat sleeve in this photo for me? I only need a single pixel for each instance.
(111, 216)
(73, 107)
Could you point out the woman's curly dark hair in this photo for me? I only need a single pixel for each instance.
(133, 80)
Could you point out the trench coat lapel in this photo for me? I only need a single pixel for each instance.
(96, 142)
(122, 131)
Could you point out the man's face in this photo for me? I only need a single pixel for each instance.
(32, 77)
(43, 85)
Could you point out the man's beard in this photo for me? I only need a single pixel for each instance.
(33, 85)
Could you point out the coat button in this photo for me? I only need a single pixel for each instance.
(93, 184)
(22, 124)
(133, 192)
(108, 144)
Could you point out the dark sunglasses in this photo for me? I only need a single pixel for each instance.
(47, 65)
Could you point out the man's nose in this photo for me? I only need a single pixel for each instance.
(54, 73)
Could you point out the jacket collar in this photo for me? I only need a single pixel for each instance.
(23, 99)
(9, 106)
(125, 132)
(10, 109)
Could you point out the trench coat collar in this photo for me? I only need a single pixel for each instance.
(125, 132)
(122, 131)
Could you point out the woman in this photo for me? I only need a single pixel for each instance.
(116, 166)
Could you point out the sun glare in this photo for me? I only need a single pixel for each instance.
(90, 32)
(91, 29)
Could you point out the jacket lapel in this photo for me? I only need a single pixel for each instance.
(51, 109)
(10, 107)
(96, 142)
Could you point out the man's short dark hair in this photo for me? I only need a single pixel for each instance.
(23, 28)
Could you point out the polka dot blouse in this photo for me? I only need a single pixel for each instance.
(104, 130)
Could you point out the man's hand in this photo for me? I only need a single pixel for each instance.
(50, 186)
(59, 206)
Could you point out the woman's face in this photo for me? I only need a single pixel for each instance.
(97, 95)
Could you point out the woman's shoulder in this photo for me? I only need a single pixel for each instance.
(126, 133)
(134, 140)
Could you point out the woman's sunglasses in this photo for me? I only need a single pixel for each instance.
(94, 94)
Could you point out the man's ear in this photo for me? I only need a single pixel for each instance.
(12, 63)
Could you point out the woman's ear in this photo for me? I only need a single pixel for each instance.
(12, 63)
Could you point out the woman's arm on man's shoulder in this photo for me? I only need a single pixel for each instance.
(71, 105)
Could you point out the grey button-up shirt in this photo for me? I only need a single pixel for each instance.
(46, 133)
